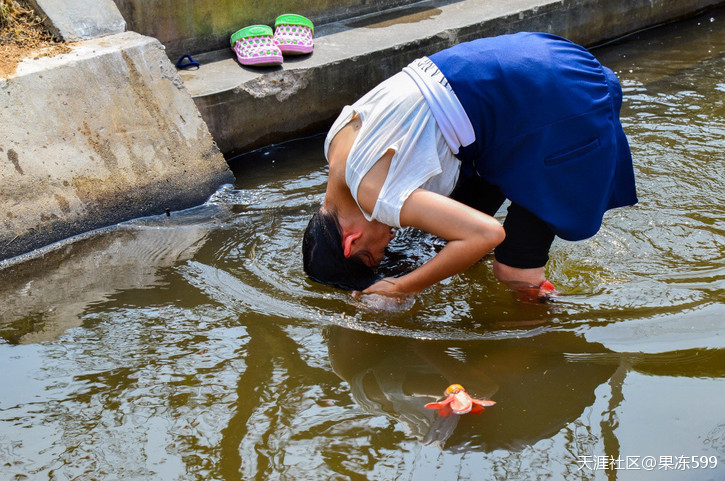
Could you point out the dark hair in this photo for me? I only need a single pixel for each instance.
(323, 258)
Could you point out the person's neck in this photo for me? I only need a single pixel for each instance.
(339, 198)
(337, 194)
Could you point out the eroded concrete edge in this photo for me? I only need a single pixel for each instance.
(103, 134)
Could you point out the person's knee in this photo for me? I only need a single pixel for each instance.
(498, 235)
(490, 235)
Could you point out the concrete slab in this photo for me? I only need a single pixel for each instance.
(103, 134)
(74, 20)
(195, 26)
(246, 108)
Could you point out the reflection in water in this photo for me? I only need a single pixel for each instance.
(537, 390)
(193, 346)
(48, 294)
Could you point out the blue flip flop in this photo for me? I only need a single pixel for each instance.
(186, 62)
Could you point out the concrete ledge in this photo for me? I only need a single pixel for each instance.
(248, 108)
(74, 20)
(195, 26)
(101, 135)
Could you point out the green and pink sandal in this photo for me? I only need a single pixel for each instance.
(293, 34)
(255, 45)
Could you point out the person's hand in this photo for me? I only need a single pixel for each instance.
(385, 295)
(387, 286)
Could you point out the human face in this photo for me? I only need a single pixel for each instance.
(370, 247)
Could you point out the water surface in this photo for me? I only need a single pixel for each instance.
(193, 347)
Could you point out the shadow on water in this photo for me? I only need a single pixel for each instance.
(193, 346)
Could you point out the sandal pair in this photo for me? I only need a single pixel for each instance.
(258, 45)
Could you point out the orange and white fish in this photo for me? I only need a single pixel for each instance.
(459, 402)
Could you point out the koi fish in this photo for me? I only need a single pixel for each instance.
(459, 402)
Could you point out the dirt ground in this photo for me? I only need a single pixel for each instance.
(23, 35)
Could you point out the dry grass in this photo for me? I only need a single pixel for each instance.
(23, 35)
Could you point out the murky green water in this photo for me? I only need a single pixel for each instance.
(192, 347)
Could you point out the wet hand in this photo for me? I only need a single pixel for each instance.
(383, 296)
(387, 286)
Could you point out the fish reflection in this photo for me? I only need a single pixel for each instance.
(536, 387)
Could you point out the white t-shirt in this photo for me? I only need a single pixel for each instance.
(395, 116)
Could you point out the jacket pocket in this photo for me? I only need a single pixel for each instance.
(572, 152)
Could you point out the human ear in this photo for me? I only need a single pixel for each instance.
(347, 242)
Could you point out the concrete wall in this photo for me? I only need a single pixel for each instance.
(103, 134)
(194, 26)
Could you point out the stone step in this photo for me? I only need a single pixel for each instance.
(196, 26)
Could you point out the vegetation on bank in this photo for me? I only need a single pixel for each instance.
(23, 35)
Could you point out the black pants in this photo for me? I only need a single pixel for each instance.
(528, 238)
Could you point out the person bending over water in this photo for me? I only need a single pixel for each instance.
(529, 117)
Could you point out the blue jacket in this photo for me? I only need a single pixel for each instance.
(546, 117)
